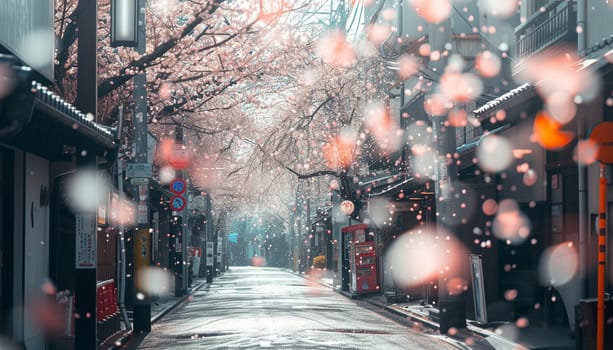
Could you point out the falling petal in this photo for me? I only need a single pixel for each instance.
(408, 66)
(530, 177)
(522, 322)
(457, 286)
(433, 11)
(86, 190)
(494, 153)
(417, 256)
(510, 224)
(558, 264)
(155, 281)
(378, 33)
(335, 50)
(560, 107)
(457, 118)
(488, 64)
(586, 152)
(505, 8)
(489, 207)
(510, 294)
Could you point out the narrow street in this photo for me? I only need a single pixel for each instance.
(252, 307)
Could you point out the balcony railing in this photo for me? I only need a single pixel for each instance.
(555, 23)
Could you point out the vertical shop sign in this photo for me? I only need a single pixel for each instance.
(85, 242)
(209, 253)
(142, 257)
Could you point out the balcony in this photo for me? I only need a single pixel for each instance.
(553, 24)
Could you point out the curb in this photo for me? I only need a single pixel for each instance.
(477, 332)
(125, 338)
(412, 317)
(167, 309)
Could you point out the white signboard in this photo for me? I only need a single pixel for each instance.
(142, 213)
(141, 170)
(85, 257)
(210, 247)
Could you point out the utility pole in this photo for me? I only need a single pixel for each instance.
(142, 236)
(179, 230)
(85, 222)
(451, 307)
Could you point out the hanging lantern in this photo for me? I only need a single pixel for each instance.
(347, 207)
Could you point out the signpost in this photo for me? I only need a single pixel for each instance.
(177, 203)
(603, 135)
(178, 186)
(210, 251)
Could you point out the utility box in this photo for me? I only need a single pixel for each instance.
(585, 317)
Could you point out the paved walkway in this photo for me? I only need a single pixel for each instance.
(499, 337)
(159, 308)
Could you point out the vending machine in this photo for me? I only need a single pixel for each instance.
(363, 262)
(360, 259)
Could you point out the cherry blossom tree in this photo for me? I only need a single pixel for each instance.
(257, 86)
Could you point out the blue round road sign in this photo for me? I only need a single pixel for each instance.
(178, 186)
(177, 203)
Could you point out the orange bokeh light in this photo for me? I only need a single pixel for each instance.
(548, 134)
(338, 152)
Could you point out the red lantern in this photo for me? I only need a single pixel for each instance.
(179, 157)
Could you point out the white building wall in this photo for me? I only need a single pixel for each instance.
(18, 247)
(36, 246)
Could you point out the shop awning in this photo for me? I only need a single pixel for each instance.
(57, 129)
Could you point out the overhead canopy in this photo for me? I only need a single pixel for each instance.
(58, 129)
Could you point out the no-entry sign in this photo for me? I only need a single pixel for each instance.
(603, 135)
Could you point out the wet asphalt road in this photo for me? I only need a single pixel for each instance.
(258, 307)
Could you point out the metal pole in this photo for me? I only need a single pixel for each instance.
(122, 250)
(142, 236)
(87, 96)
(184, 238)
(582, 169)
(602, 252)
(452, 307)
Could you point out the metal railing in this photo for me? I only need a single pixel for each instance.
(553, 24)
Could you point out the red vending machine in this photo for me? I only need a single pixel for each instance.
(363, 264)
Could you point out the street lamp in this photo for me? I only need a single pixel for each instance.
(124, 23)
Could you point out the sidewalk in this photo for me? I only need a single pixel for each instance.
(159, 308)
(498, 337)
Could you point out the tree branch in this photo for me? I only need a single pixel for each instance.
(110, 84)
(315, 174)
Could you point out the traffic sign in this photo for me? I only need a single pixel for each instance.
(177, 203)
(178, 186)
(603, 135)
(179, 157)
(139, 170)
